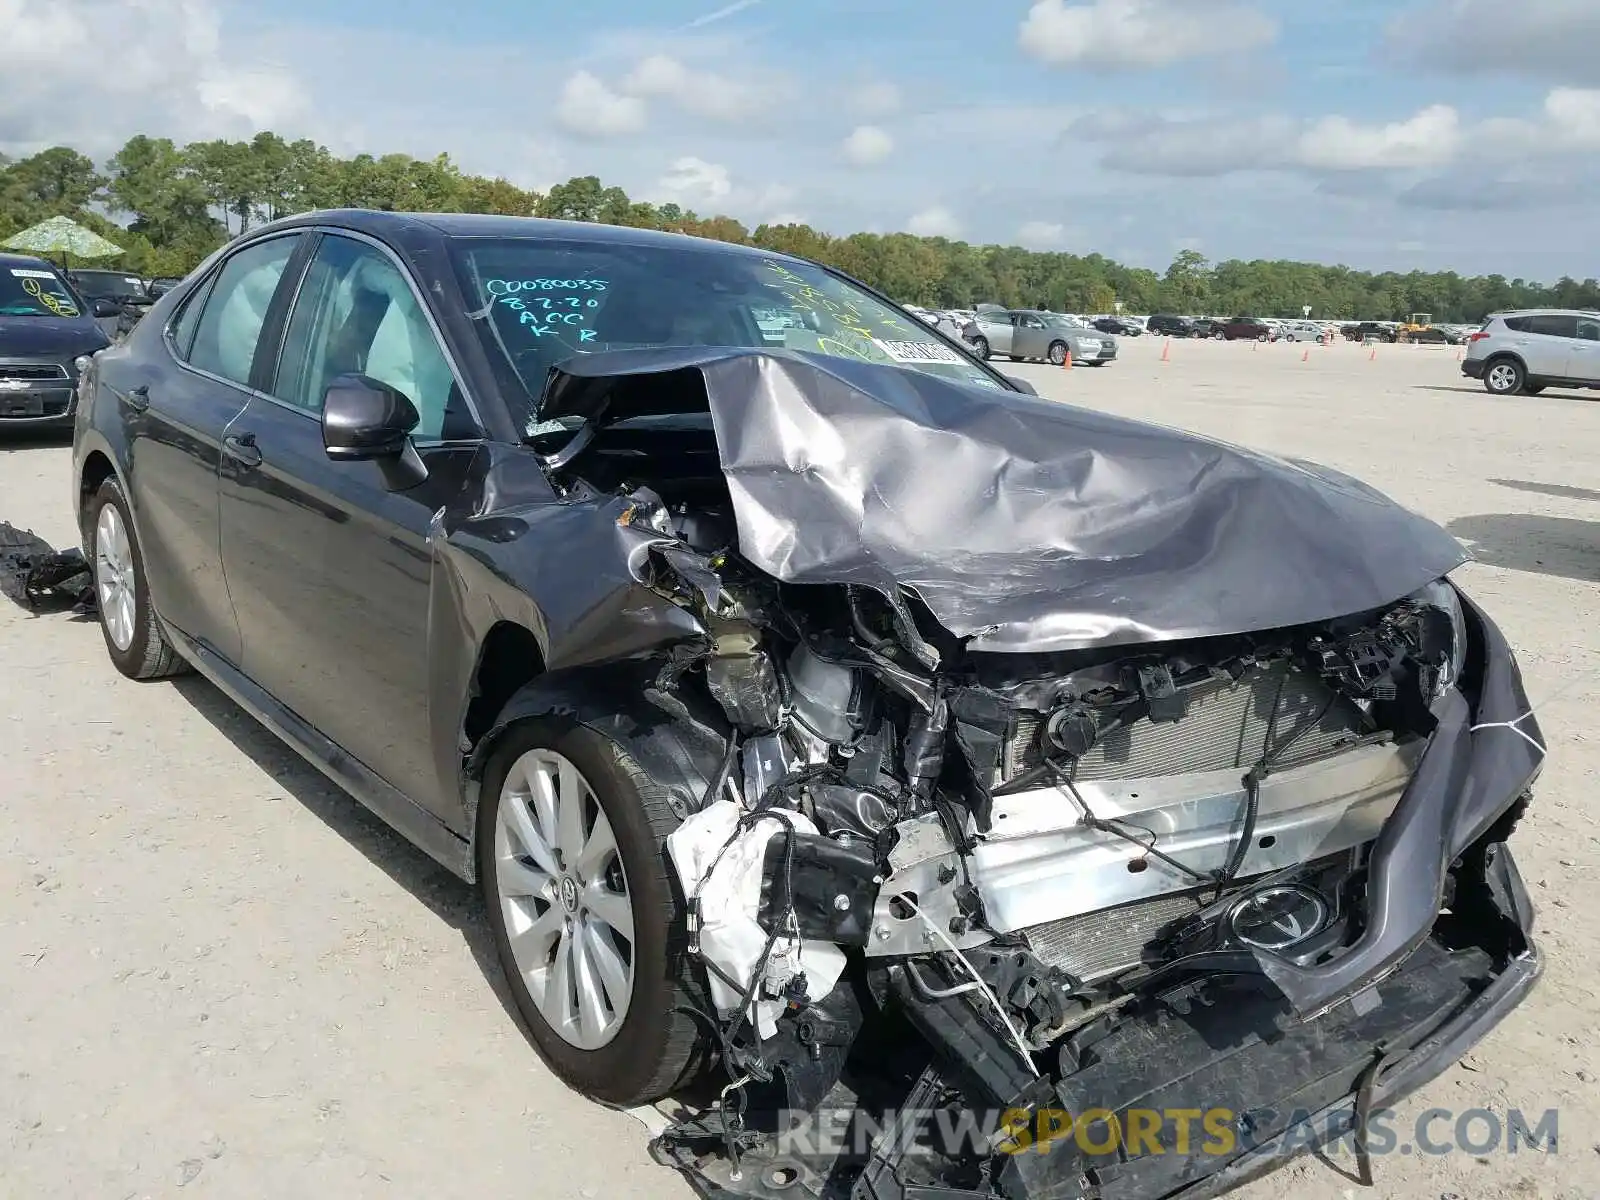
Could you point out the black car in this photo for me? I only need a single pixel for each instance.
(123, 298)
(1118, 325)
(1180, 327)
(163, 284)
(45, 328)
(813, 716)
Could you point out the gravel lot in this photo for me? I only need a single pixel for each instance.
(221, 976)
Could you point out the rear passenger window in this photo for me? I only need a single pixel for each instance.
(232, 316)
(183, 327)
(1519, 324)
(1553, 325)
(1589, 329)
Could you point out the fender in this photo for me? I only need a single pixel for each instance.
(677, 740)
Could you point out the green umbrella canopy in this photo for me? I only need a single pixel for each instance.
(62, 235)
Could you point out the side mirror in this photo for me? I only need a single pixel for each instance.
(106, 308)
(365, 420)
(1022, 385)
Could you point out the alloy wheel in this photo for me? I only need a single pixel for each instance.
(116, 587)
(564, 897)
(1502, 377)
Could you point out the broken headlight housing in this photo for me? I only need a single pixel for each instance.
(1446, 632)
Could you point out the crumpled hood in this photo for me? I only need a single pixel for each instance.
(1023, 524)
(26, 337)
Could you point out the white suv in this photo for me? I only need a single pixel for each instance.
(1532, 349)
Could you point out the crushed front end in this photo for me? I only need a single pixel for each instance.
(1116, 773)
(997, 924)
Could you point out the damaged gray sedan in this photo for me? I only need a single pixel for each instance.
(906, 768)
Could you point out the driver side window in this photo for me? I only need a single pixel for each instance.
(357, 314)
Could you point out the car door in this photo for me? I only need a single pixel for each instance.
(997, 329)
(1583, 353)
(177, 414)
(1032, 339)
(329, 569)
(1546, 342)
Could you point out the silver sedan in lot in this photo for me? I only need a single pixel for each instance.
(1020, 333)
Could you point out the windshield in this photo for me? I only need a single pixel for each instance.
(110, 285)
(541, 301)
(35, 292)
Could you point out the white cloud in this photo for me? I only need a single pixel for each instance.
(787, 218)
(696, 90)
(694, 183)
(589, 106)
(709, 189)
(880, 99)
(1042, 235)
(867, 145)
(1110, 34)
(1431, 138)
(1548, 40)
(1222, 145)
(937, 221)
(1574, 115)
(169, 73)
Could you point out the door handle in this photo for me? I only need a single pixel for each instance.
(138, 398)
(241, 447)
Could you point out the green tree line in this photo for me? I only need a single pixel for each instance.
(169, 206)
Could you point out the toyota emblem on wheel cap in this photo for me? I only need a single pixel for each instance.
(1276, 918)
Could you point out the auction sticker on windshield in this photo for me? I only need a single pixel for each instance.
(917, 352)
(30, 273)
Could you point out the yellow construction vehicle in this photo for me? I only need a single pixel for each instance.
(1416, 323)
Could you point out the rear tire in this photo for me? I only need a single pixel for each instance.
(656, 1044)
(1220, 336)
(133, 637)
(980, 347)
(1504, 377)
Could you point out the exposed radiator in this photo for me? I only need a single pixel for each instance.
(1225, 725)
(1098, 945)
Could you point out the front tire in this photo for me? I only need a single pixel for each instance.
(1058, 353)
(133, 637)
(1504, 377)
(587, 921)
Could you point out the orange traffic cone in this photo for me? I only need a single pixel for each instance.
(1067, 365)
(1305, 355)
(1373, 357)
(1166, 350)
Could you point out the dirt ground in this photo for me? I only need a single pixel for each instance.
(219, 976)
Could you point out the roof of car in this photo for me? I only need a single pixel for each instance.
(485, 225)
(24, 260)
(1535, 312)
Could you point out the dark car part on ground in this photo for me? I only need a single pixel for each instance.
(1090, 761)
(36, 575)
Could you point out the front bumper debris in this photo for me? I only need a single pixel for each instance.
(1258, 1086)
(1292, 1052)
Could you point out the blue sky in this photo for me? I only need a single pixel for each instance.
(1408, 133)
